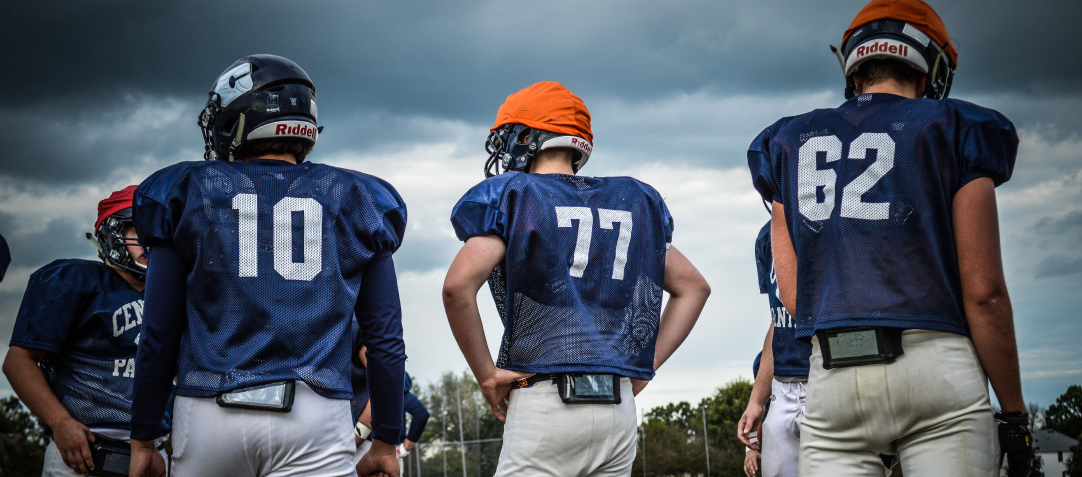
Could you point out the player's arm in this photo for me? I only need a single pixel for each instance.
(984, 290)
(28, 382)
(164, 321)
(470, 269)
(785, 266)
(760, 392)
(688, 292)
(379, 314)
(419, 414)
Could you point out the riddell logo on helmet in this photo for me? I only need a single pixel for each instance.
(285, 129)
(576, 142)
(885, 46)
(298, 129)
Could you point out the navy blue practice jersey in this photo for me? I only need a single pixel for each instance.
(275, 254)
(791, 355)
(88, 319)
(868, 190)
(580, 287)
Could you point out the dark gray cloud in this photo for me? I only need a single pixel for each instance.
(86, 71)
(457, 59)
(33, 245)
(1069, 222)
(1058, 265)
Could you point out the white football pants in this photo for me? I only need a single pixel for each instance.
(545, 437)
(781, 427)
(314, 439)
(930, 408)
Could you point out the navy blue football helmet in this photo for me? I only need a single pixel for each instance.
(258, 97)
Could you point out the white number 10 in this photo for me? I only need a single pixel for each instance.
(247, 206)
(605, 217)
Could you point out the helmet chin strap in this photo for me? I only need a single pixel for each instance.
(94, 240)
(238, 140)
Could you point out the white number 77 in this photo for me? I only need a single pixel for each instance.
(606, 217)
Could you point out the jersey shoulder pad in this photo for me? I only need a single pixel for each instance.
(764, 258)
(69, 275)
(760, 159)
(478, 212)
(52, 300)
(387, 202)
(987, 145)
(156, 206)
(659, 201)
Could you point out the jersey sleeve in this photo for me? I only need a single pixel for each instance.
(762, 168)
(989, 146)
(49, 308)
(392, 210)
(478, 213)
(763, 258)
(155, 207)
(668, 222)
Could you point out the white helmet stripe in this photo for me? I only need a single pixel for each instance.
(287, 128)
(884, 48)
(573, 142)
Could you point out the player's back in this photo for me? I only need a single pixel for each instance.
(275, 253)
(580, 286)
(868, 189)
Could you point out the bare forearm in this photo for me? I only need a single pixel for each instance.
(469, 332)
(984, 289)
(688, 292)
(677, 320)
(785, 264)
(29, 384)
(760, 392)
(991, 326)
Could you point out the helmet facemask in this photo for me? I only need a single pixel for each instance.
(112, 244)
(512, 147)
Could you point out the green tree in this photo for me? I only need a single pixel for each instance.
(674, 435)
(1065, 416)
(1074, 464)
(442, 398)
(22, 441)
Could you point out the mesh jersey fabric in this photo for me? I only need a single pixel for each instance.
(89, 320)
(868, 189)
(275, 255)
(580, 287)
(791, 355)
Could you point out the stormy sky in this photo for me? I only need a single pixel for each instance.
(98, 95)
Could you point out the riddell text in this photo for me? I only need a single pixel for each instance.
(883, 47)
(296, 130)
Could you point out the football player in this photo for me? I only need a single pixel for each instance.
(576, 266)
(782, 384)
(259, 260)
(886, 243)
(72, 354)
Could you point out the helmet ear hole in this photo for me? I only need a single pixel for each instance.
(524, 136)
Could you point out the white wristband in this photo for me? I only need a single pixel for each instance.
(362, 430)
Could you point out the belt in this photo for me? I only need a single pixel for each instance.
(530, 381)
